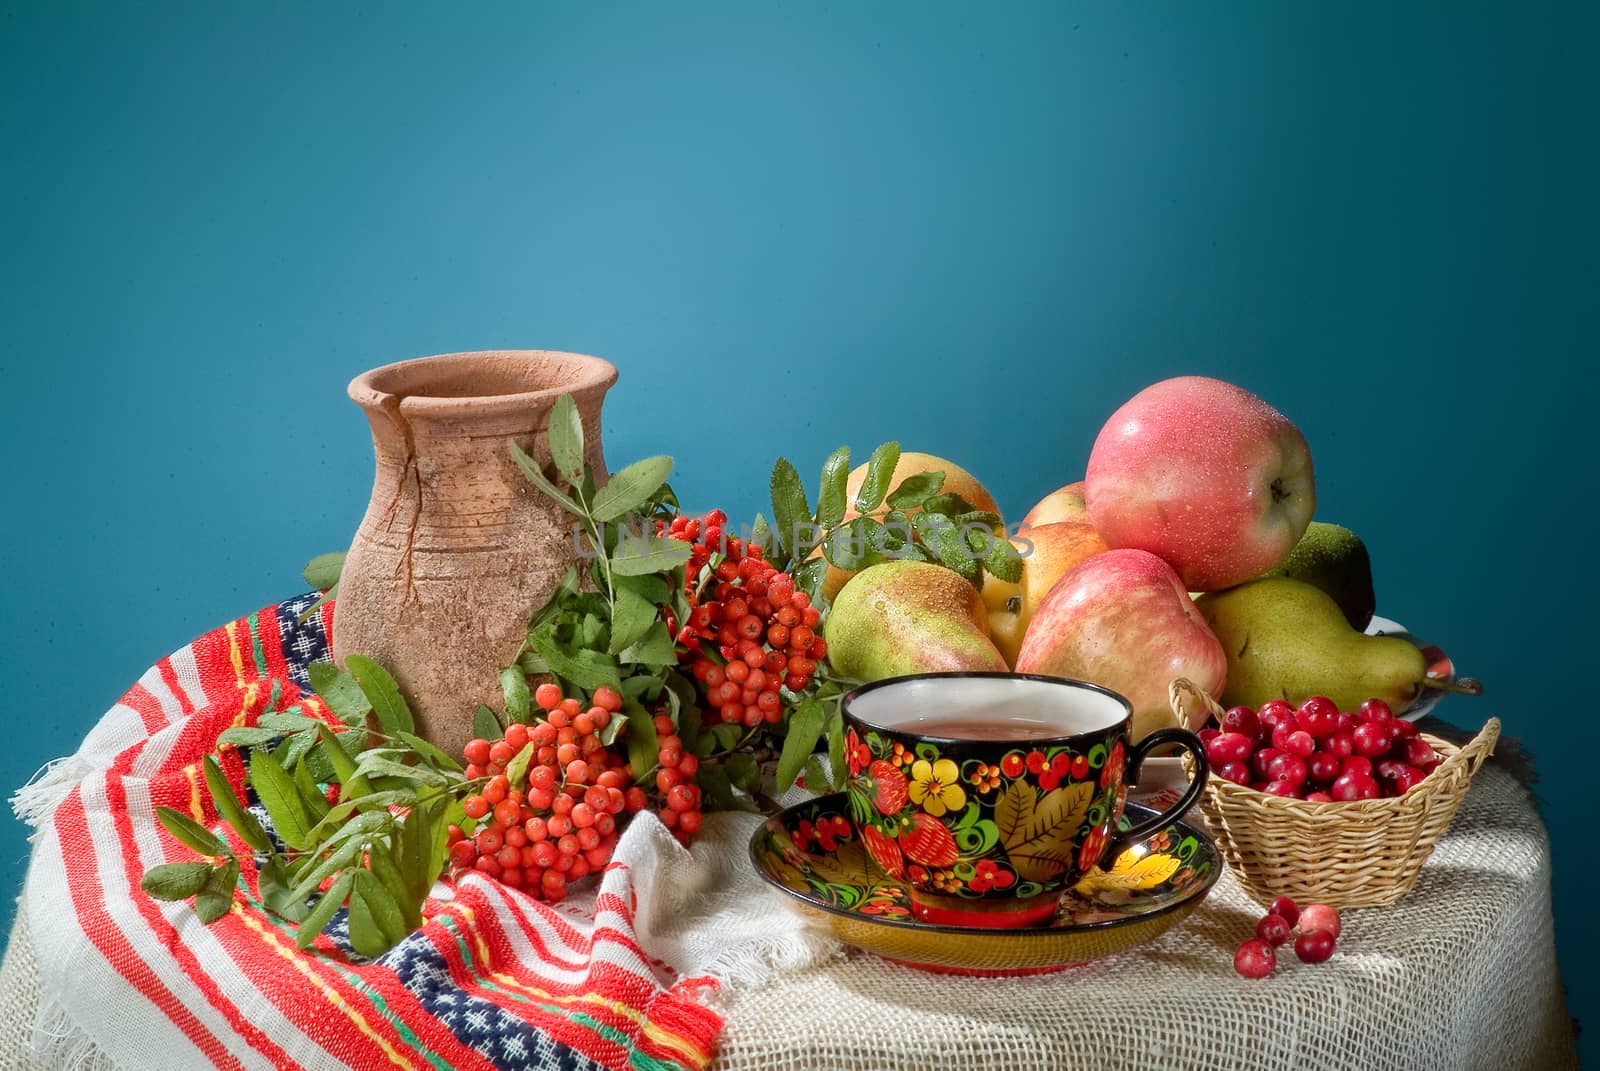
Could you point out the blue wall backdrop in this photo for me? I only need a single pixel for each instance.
(791, 226)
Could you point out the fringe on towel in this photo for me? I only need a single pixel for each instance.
(50, 784)
(58, 1042)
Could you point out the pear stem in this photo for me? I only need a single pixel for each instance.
(1462, 686)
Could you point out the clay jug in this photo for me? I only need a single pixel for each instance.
(457, 548)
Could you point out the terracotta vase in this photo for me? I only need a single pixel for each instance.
(457, 548)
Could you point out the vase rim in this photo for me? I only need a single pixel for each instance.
(447, 384)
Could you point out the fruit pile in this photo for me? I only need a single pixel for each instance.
(1315, 929)
(1319, 753)
(551, 796)
(754, 634)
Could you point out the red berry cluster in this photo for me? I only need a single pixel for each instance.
(755, 633)
(1318, 754)
(675, 779)
(559, 823)
(1318, 926)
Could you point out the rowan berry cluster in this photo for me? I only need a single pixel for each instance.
(749, 633)
(552, 795)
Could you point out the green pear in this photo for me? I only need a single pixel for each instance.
(1286, 639)
(1334, 559)
(902, 617)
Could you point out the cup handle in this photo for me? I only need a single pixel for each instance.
(1118, 843)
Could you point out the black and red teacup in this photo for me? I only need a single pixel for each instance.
(991, 793)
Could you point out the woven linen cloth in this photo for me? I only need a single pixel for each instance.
(622, 976)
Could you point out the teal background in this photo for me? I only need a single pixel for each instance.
(974, 230)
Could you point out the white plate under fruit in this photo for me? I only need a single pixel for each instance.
(1164, 775)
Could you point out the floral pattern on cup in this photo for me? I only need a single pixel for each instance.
(976, 828)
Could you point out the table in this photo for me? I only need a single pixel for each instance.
(1460, 974)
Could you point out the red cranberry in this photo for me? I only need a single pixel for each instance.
(1262, 760)
(1301, 743)
(1323, 767)
(1318, 716)
(1313, 947)
(1371, 740)
(1229, 747)
(1356, 764)
(1242, 720)
(1274, 712)
(1374, 710)
(1347, 723)
(1354, 786)
(1290, 789)
(1404, 730)
(1341, 743)
(1237, 772)
(1287, 767)
(1274, 929)
(1285, 908)
(1418, 751)
(1320, 918)
(1208, 735)
(1255, 959)
(1406, 779)
(1318, 797)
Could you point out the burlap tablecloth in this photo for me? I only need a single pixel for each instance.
(1460, 974)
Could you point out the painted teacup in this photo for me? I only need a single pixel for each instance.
(990, 793)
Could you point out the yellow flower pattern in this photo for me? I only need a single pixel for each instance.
(936, 786)
(1134, 869)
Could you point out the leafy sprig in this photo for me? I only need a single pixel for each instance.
(381, 840)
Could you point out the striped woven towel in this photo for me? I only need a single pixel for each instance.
(493, 979)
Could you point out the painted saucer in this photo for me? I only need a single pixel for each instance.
(810, 853)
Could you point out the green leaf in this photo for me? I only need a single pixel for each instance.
(433, 754)
(316, 872)
(855, 545)
(376, 764)
(340, 691)
(948, 503)
(761, 536)
(727, 735)
(375, 922)
(485, 726)
(271, 879)
(382, 692)
(633, 616)
(530, 469)
(316, 804)
(744, 771)
(643, 746)
(916, 489)
(836, 763)
(371, 802)
(566, 438)
(383, 866)
(654, 649)
(326, 908)
(631, 488)
(514, 688)
(805, 729)
(1003, 561)
(790, 510)
(517, 768)
(816, 775)
(296, 748)
(276, 791)
(247, 736)
(587, 669)
(418, 864)
(232, 810)
(289, 722)
(190, 832)
(322, 572)
(175, 881)
(880, 470)
(652, 589)
(651, 554)
(340, 762)
(808, 577)
(713, 781)
(834, 487)
(215, 898)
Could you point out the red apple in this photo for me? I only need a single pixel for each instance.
(1204, 474)
(1124, 620)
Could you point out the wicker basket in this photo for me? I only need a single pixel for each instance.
(1363, 853)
